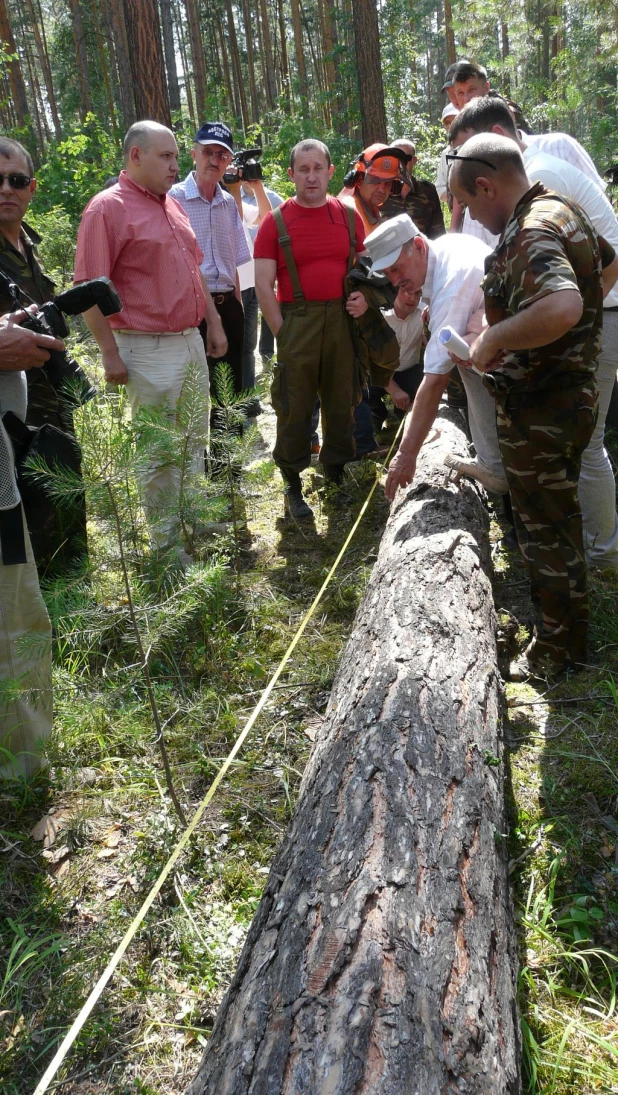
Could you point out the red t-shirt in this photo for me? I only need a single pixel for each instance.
(320, 245)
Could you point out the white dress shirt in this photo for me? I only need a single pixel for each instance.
(409, 332)
(474, 228)
(442, 176)
(565, 147)
(452, 289)
(565, 179)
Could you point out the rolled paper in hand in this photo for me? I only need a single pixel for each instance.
(456, 345)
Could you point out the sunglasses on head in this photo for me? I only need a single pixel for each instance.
(476, 159)
(16, 182)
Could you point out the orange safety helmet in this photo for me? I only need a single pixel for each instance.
(380, 160)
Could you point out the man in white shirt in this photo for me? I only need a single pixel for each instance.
(449, 270)
(597, 487)
(448, 114)
(405, 320)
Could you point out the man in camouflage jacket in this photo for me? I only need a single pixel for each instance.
(544, 288)
(58, 534)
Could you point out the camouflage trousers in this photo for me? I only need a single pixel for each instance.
(542, 437)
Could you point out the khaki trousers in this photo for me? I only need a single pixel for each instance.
(157, 366)
(25, 668)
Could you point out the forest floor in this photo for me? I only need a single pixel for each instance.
(79, 853)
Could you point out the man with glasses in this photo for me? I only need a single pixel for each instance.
(216, 222)
(58, 533)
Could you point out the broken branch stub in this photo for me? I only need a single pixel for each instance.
(382, 958)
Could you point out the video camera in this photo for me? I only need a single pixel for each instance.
(244, 167)
(49, 320)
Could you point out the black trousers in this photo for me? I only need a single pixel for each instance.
(233, 320)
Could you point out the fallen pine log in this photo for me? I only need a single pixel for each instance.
(382, 958)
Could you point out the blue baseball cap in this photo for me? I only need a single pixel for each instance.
(215, 133)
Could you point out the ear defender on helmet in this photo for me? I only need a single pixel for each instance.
(356, 173)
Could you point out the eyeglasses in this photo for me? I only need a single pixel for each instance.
(476, 159)
(16, 182)
(219, 157)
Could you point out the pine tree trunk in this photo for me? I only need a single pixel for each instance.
(81, 59)
(381, 959)
(285, 69)
(371, 91)
(197, 58)
(253, 95)
(236, 66)
(301, 68)
(185, 64)
(121, 44)
(16, 79)
(222, 49)
(105, 14)
(451, 55)
(268, 61)
(41, 47)
(146, 60)
(35, 92)
(169, 49)
(103, 65)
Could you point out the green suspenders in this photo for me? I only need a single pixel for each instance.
(286, 246)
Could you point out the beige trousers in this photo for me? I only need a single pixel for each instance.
(157, 366)
(25, 668)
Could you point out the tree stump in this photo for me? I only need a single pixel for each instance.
(382, 957)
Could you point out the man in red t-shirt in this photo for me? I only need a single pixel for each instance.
(315, 354)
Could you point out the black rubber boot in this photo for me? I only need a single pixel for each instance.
(295, 505)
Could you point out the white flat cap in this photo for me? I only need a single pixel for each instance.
(385, 242)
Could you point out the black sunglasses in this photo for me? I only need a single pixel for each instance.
(477, 159)
(16, 182)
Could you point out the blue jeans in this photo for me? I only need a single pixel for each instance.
(250, 305)
(363, 432)
(267, 340)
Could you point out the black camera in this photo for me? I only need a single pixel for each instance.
(49, 320)
(244, 166)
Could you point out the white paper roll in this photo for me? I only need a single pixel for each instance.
(454, 343)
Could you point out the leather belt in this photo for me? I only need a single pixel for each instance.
(218, 298)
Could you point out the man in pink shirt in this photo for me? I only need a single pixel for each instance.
(139, 237)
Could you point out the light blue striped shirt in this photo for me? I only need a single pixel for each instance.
(219, 232)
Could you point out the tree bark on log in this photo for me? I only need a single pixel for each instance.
(382, 957)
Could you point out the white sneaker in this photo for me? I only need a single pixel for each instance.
(474, 470)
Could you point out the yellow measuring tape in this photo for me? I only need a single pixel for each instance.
(99, 988)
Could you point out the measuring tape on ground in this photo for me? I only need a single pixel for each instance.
(114, 962)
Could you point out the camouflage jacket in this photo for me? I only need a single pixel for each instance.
(44, 405)
(548, 245)
(24, 270)
(375, 343)
(422, 204)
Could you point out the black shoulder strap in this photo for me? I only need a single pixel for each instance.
(286, 246)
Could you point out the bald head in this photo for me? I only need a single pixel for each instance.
(141, 134)
(151, 156)
(489, 178)
(406, 145)
(486, 152)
